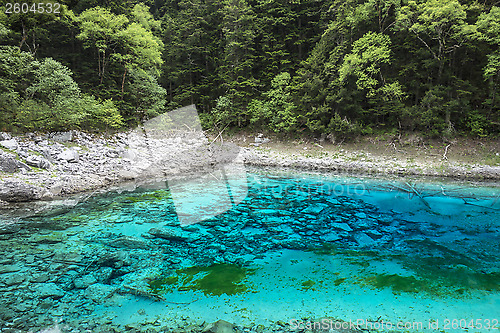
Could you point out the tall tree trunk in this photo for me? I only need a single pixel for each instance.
(123, 80)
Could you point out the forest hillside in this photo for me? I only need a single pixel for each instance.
(320, 67)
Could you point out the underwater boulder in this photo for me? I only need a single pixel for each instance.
(171, 234)
(315, 209)
(331, 237)
(84, 282)
(114, 259)
(9, 268)
(9, 228)
(129, 242)
(14, 279)
(220, 326)
(52, 290)
(364, 240)
(98, 292)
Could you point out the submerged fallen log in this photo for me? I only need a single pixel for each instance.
(139, 292)
(148, 294)
(414, 190)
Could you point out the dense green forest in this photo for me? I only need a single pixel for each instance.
(319, 67)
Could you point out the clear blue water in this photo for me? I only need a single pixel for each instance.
(300, 248)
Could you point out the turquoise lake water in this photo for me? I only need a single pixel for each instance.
(293, 249)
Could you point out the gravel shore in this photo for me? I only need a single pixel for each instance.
(40, 167)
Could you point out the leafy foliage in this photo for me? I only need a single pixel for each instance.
(325, 67)
(277, 111)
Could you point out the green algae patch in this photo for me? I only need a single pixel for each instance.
(306, 285)
(159, 285)
(339, 281)
(439, 276)
(159, 195)
(213, 280)
(52, 238)
(325, 249)
(332, 249)
(453, 273)
(397, 283)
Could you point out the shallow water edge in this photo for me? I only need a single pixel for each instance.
(298, 247)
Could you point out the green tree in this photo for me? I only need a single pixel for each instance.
(54, 102)
(52, 82)
(123, 46)
(141, 50)
(148, 97)
(277, 111)
(488, 26)
(102, 31)
(192, 53)
(15, 76)
(439, 26)
(238, 59)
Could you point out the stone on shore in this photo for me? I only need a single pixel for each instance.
(18, 191)
(69, 155)
(9, 144)
(8, 163)
(38, 162)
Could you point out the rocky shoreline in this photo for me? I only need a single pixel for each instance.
(40, 167)
(366, 163)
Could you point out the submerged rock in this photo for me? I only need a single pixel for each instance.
(360, 215)
(40, 278)
(331, 237)
(84, 282)
(114, 259)
(364, 240)
(129, 242)
(99, 292)
(103, 274)
(342, 226)
(315, 209)
(272, 220)
(220, 326)
(45, 290)
(171, 234)
(9, 268)
(14, 279)
(6, 313)
(9, 228)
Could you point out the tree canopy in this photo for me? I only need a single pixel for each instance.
(338, 67)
